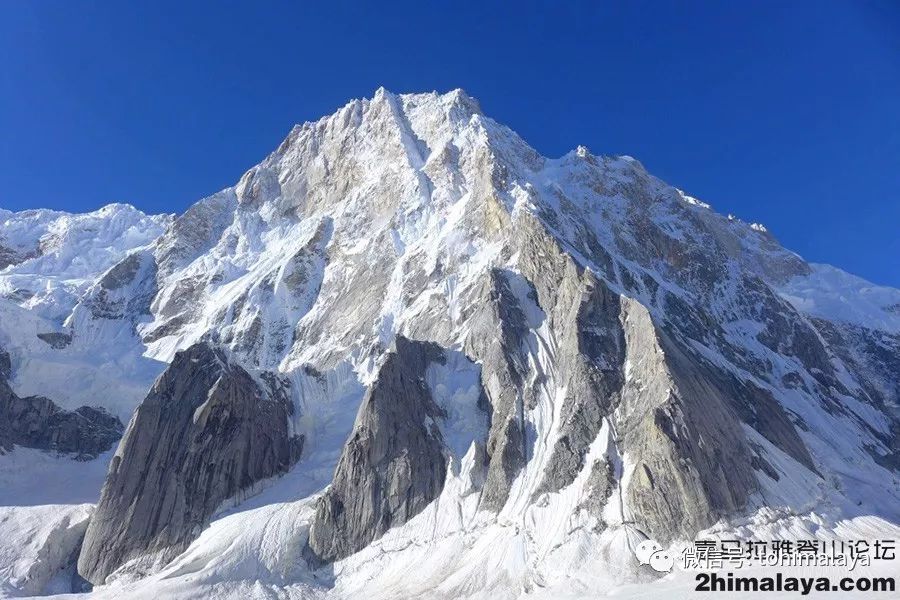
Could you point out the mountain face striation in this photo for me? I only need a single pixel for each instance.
(406, 342)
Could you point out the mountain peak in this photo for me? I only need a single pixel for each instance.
(457, 328)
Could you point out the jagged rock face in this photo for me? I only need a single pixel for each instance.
(870, 351)
(692, 464)
(497, 339)
(6, 433)
(56, 339)
(392, 466)
(291, 288)
(10, 256)
(36, 422)
(5, 365)
(206, 431)
(876, 355)
(583, 313)
(125, 291)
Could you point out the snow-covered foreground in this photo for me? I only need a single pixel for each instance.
(45, 504)
(254, 552)
(450, 550)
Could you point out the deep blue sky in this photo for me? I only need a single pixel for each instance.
(787, 113)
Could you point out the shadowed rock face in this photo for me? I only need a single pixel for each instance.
(497, 338)
(206, 431)
(583, 312)
(10, 256)
(56, 339)
(392, 466)
(37, 422)
(5, 365)
(676, 417)
(126, 290)
(875, 355)
(6, 435)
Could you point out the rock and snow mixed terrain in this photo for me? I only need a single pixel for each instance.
(408, 356)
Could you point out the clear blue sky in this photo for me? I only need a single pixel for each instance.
(787, 113)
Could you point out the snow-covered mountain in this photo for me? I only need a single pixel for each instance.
(408, 356)
(49, 258)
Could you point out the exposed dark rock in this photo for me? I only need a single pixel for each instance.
(20, 295)
(586, 315)
(762, 412)
(11, 256)
(127, 290)
(206, 432)
(761, 464)
(613, 305)
(195, 231)
(697, 464)
(890, 460)
(6, 433)
(5, 365)
(498, 331)
(392, 466)
(36, 422)
(8, 256)
(873, 354)
(122, 274)
(56, 339)
(599, 486)
(170, 327)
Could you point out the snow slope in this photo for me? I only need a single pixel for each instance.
(832, 294)
(45, 504)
